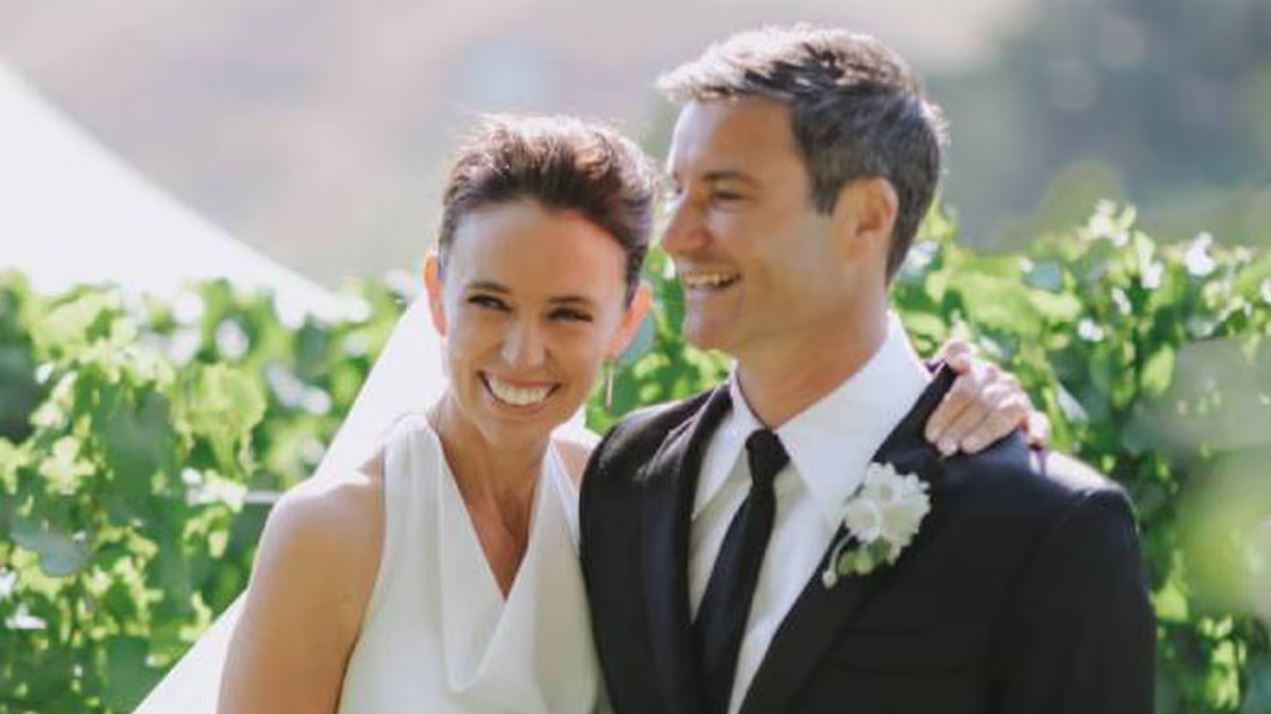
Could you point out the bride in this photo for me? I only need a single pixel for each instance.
(441, 575)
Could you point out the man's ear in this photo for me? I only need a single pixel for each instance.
(631, 319)
(864, 217)
(433, 285)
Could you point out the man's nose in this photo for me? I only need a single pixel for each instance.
(685, 230)
(523, 347)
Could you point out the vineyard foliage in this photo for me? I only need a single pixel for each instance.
(142, 441)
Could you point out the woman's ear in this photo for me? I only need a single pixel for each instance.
(433, 285)
(631, 319)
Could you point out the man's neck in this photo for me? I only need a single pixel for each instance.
(780, 383)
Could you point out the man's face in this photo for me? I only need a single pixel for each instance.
(755, 258)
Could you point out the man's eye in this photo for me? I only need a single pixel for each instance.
(571, 315)
(488, 301)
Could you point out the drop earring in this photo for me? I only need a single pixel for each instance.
(609, 385)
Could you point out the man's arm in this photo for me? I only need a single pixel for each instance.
(1082, 635)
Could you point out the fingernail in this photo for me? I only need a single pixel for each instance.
(933, 434)
(947, 446)
(971, 445)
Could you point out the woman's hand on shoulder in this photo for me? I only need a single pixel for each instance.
(314, 571)
(984, 405)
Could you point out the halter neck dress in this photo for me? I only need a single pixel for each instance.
(438, 635)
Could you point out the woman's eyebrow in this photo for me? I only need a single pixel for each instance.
(488, 286)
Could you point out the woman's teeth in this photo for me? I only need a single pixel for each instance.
(516, 396)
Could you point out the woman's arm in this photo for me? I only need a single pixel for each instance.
(313, 576)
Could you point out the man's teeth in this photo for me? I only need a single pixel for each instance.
(696, 281)
(516, 396)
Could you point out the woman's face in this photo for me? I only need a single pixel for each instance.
(531, 304)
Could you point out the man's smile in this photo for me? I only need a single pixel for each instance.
(704, 280)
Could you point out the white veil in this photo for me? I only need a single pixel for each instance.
(407, 377)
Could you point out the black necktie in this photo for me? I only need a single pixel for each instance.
(721, 618)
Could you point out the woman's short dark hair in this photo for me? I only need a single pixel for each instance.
(857, 111)
(564, 164)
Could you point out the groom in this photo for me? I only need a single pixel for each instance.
(720, 573)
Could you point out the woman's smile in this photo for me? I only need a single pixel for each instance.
(521, 395)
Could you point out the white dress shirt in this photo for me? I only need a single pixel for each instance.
(830, 444)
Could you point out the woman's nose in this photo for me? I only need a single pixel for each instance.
(523, 347)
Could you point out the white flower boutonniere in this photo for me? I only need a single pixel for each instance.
(881, 518)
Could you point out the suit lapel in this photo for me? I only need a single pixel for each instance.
(670, 481)
(820, 614)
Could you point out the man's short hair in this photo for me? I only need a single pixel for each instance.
(856, 108)
(564, 164)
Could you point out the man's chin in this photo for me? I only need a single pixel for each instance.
(707, 336)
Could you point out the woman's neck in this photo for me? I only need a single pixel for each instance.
(496, 482)
(500, 473)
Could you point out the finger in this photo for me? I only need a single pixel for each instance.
(966, 424)
(961, 362)
(1005, 417)
(1037, 427)
(953, 348)
(989, 373)
(994, 400)
(993, 429)
(968, 387)
(965, 390)
(977, 407)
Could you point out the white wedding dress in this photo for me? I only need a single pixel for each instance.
(438, 636)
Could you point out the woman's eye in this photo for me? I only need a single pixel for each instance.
(488, 301)
(725, 196)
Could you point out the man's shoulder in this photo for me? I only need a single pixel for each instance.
(651, 423)
(635, 437)
(1068, 474)
(1036, 485)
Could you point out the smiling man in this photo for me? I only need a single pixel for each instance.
(789, 541)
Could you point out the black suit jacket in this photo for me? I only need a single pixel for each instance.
(1023, 591)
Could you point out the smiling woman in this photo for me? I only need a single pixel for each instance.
(444, 571)
(531, 301)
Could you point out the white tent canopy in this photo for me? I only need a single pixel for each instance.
(71, 212)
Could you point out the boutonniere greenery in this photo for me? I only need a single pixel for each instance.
(881, 518)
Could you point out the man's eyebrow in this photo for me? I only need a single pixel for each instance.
(729, 175)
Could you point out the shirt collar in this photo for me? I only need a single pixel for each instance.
(831, 442)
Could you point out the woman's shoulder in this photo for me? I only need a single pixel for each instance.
(339, 516)
(574, 450)
(328, 531)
